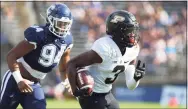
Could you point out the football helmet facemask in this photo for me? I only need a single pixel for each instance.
(123, 28)
(60, 19)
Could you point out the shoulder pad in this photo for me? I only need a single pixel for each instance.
(34, 34)
(102, 48)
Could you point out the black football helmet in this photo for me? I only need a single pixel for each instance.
(123, 28)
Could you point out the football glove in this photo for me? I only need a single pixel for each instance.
(82, 92)
(139, 71)
(67, 85)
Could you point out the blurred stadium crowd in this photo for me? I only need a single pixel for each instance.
(162, 30)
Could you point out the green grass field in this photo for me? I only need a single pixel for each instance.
(52, 103)
(75, 104)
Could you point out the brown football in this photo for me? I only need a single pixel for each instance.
(84, 80)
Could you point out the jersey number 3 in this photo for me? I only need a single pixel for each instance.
(118, 69)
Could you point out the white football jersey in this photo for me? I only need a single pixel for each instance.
(113, 63)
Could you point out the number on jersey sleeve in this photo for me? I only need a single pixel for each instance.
(38, 29)
(118, 69)
(31, 35)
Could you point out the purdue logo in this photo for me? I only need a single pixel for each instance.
(117, 19)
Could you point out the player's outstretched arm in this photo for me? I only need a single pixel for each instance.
(82, 60)
(20, 50)
(133, 75)
(62, 64)
(62, 69)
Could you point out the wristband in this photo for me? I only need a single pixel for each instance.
(17, 76)
(66, 81)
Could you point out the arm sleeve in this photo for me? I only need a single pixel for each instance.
(129, 76)
(101, 48)
(31, 36)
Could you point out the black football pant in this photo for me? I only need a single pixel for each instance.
(99, 101)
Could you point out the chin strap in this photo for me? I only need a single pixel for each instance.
(17, 76)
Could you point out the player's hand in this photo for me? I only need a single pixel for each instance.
(24, 86)
(140, 71)
(83, 92)
(67, 85)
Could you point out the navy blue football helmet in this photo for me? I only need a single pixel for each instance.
(60, 19)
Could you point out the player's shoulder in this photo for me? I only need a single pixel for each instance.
(35, 29)
(69, 38)
(105, 40)
(35, 33)
(104, 47)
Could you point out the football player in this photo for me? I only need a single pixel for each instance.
(109, 56)
(44, 48)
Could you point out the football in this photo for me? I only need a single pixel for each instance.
(84, 80)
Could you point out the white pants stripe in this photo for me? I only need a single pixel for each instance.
(4, 85)
(4, 79)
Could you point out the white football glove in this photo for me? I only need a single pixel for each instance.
(67, 85)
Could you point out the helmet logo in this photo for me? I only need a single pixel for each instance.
(132, 17)
(50, 9)
(117, 19)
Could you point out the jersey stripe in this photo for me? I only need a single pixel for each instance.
(4, 85)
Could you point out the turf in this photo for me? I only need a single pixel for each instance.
(58, 104)
(75, 104)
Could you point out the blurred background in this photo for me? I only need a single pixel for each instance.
(163, 28)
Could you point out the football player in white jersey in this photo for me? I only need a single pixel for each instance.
(109, 56)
